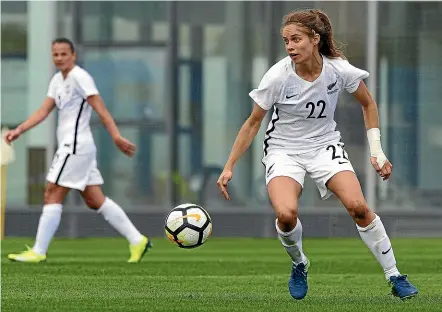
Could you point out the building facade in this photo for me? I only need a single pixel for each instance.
(176, 77)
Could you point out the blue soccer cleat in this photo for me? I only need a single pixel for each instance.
(298, 281)
(402, 288)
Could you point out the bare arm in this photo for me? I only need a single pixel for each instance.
(246, 135)
(369, 107)
(106, 118)
(123, 144)
(243, 140)
(371, 119)
(38, 116)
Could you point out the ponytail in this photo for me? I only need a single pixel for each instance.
(327, 44)
(316, 21)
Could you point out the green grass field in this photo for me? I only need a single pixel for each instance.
(223, 275)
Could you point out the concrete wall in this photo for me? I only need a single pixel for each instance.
(238, 223)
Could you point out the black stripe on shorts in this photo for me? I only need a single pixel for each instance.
(62, 167)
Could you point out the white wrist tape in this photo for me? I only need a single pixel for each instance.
(374, 141)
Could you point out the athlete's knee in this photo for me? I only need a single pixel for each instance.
(93, 197)
(358, 210)
(287, 217)
(93, 203)
(52, 194)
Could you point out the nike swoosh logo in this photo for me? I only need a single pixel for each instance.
(270, 168)
(331, 86)
(290, 96)
(343, 162)
(191, 215)
(385, 252)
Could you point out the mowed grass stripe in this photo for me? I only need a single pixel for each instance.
(224, 275)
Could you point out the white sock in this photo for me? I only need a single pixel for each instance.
(47, 226)
(116, 217)
(292, 242)
(376, 238)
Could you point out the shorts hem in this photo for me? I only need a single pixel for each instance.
(68, 185)
(74, 186)
(284, 175)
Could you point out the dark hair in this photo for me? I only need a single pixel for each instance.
(64, 40)
(315, 21)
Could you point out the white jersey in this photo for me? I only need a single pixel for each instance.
(303, 116)
(73, 131)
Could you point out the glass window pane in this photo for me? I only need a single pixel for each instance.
(231, 54)
(120, 21)
(133, 86)
(132, 80)
(14, 92)
(410, 95)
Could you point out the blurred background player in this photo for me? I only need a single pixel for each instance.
(302, 138)
(73, 92)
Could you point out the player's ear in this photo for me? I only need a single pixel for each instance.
(316, 39)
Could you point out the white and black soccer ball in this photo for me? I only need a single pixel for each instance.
(188, 225)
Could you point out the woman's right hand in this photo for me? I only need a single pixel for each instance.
(223, 179)
(12, 135)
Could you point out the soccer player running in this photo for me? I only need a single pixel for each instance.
(303, 88)
(73, 93)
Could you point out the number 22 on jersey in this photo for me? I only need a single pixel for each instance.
(316, 111)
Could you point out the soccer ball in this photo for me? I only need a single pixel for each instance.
(188, 225)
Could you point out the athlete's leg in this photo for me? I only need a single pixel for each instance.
(111, 212)
(117, 218)
(54, 194)
(347, 188)
(284, 193)
(66, 172)
(371, 229)
(47, 226)
(284, 179)
(50, 218)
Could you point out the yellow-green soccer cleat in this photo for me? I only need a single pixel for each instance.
(27, 256)
(137, 251)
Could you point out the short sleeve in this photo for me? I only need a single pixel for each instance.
(352, 76)
(86, 84)
(51, 88)
(267, 92)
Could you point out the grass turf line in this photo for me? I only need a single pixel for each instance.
(223, 275)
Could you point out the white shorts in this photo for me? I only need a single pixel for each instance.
(74, 171)
(321, 165)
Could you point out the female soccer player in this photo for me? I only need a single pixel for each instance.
(302, 138)
(73, 93)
